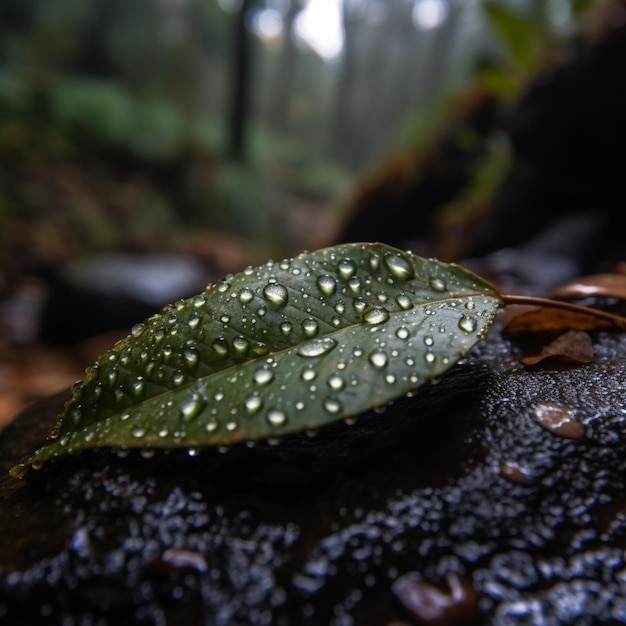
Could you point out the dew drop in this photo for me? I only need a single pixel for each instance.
(225, 319)
(147, 453)
(253, 403)
(112, 376)
(276, 417)
(428, 341)
(327, 284)
(359, 305)
(332, 405)
(18, 471)
(340, 308)
(376, 315)
(374, 262)
(210, 426)
(336, 382)
(276, 294)
(246, 295)
(513, 472)
(198, 301)
(286, 328)
(191, 356)
(137, 330)
(178, 378)
(402, 332)
(398, 266)
(317, 347)
(192, 407)
(92, 372)
(346, 268)
(231, 426)
(220, 346)
(308, 374)
(310, 327)
(437, 284)
(240, 346)
(138, 432)
(558, 420)
(223, 286)
(378, 358)
(403, 301)
(467, 324)
(355, 285)
(429, 357)
(138, 386)
(263, 376)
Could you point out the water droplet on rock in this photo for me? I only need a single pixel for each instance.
(558, 420)
(513, 472)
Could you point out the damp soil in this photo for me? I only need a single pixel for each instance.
(455, 506)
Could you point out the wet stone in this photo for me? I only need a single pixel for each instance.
(450, 506)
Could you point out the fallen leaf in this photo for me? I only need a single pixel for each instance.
(595, 285)
(550, 322)
(571, 348)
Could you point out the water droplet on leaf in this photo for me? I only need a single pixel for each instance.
(276, 294)
(317, 347)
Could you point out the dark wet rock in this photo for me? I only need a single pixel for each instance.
(112, 291)
(456, 496)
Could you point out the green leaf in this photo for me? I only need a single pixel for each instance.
(276, 349)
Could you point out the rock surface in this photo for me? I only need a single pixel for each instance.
(494, 497)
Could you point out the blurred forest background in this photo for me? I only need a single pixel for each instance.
(149, 147)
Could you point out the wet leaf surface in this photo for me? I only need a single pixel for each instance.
(285, 347)
(458, 491)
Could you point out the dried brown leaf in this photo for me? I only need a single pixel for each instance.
(550, 322)
(595, 285)
(569, 349)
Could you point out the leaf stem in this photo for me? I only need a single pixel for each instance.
(616, 320)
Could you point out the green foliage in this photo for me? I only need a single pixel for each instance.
(521, 34)
(285, 347)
